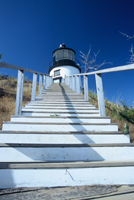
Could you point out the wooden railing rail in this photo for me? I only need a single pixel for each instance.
(74, 82)
(44, 79)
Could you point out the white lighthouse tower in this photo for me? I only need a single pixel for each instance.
(63, 64)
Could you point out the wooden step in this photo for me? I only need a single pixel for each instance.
(60, 119)
(66, 152)
(12, 126)
(63, 137)
(65, 107)
(70, 174)
(62, 114)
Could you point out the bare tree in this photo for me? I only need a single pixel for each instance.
(90, 62)
(1, 55)
(131, 49)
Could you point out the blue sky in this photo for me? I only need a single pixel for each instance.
(31, 29)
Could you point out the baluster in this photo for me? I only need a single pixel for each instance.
(19, 94)
(40, 83)
(100, 94)
(73, 82)
(70, 81)
(78, 84)
(86, 88)
(34, 87)
(51, 80)
(44, 82)
(65, 79)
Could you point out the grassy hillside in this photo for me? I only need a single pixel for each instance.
(8, 97)
(123, 115)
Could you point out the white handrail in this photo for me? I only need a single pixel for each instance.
(20, 82)
(99, 84)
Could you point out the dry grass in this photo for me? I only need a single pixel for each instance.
(8, 98)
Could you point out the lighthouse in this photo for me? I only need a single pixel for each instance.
(63, 64)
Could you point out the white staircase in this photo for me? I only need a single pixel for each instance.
(60, 140)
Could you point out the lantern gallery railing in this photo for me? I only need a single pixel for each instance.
(44, 79)
(74, 83)
(64, 61)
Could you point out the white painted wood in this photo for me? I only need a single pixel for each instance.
(60, 100)
(40, 83)
(11, 178)
(19, 94)
(100, 94)
(108, 70)
(58, 128)
(61, 107)
(63, 97)
(39, 134)
(51, 80)
(73, 83)
(54, 119)
(65, 79)
(70, 81)
(75, 88)
(61, 114)
(90, 110)
(33, 138)
(83, 104)
(78, 84)
(44, 82)
(7, 65)
(27, 154)
(34, 87)
(86, 88)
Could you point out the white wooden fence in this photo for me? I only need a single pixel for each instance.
(44, 79)
(73, 82)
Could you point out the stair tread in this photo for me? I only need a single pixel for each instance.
(53, 123)
(97, 117)
(66, 164)
(19, 145)
(30, 111)
(60, 133)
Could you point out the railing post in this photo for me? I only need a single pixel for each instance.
(86, 88)
(78, 84)
(51, 80)
(34, 87)
(73, 83)
(65, 79)
(70, 81)
(100, 93)
(44, 82)
(19, 94)
(40, 83)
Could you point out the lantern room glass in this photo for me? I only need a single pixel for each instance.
(64, 54)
